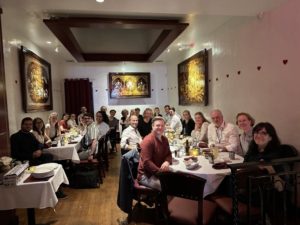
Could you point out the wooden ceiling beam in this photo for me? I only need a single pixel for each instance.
(115, 57)
(61, 27)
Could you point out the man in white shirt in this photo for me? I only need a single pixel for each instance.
(167, 116)
(89, 140)
(131, 137)
(175, 122)
(101, 127)
(222, 134)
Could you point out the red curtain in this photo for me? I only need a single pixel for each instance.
(78, 93)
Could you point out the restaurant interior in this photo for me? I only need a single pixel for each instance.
(252, 49)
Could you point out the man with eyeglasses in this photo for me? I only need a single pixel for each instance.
(89, 140)
(222, 134)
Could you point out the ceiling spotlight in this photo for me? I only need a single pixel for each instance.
(15, 42)
(56, 49)
(49, 42)
(168, 50)
(185, 46)
(100, 1)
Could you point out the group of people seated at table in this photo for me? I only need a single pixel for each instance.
(35, 135)
(254, 143)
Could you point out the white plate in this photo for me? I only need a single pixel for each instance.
(42, 173)
(51, 166)
(44, 170)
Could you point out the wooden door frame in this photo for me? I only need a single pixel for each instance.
(4, 129)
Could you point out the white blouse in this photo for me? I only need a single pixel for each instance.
(201, 135)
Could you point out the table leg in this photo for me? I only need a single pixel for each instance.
(31, 216)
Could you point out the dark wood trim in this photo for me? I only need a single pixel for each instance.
(116, 57)
(61, 27)
(4, 128)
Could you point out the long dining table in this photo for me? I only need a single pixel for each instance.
(69, 151)
(205, 169)
(30, 193)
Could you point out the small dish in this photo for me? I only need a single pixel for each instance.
(192, 158)
(192, 166)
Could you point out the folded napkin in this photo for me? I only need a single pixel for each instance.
(175, 161)
(221, 165)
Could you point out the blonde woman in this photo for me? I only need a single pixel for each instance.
(52, 129)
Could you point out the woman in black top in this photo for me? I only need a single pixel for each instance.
(145, 124)
(188, 124)
(265, 145)
(156, 112)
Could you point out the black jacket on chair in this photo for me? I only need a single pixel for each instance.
(128, 172)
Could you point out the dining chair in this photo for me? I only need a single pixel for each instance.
(97, 160)
(129, 187)
(288, 151)
(225, 202)
(186, 204)
(104, 153)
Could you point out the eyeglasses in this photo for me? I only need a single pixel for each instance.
(264, 133)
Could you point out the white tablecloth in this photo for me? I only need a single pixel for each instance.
(68, 151)
(34, 194)
(213, 177)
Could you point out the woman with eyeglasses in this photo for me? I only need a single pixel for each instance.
(265, 145)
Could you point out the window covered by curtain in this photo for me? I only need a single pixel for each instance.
(78, 93)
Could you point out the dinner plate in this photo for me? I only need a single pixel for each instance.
(51, 166)
(42, 172)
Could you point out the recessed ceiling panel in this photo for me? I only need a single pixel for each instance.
(115, 39)
(112, 40)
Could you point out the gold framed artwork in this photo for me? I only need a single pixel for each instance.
(193, 80)
(129, 85)
(36, 82)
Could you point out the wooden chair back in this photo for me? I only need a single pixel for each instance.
(182, 185)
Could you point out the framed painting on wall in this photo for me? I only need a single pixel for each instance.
(193, 80)
(129, 85)
(36, 82)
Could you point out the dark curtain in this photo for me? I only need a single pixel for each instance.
(78, 93)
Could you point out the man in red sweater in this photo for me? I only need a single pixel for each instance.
(155, 155)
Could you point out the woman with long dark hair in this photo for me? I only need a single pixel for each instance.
(38, 130)
(265, 145)
(188, 124)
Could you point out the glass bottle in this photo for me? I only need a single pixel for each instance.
(187, 147)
